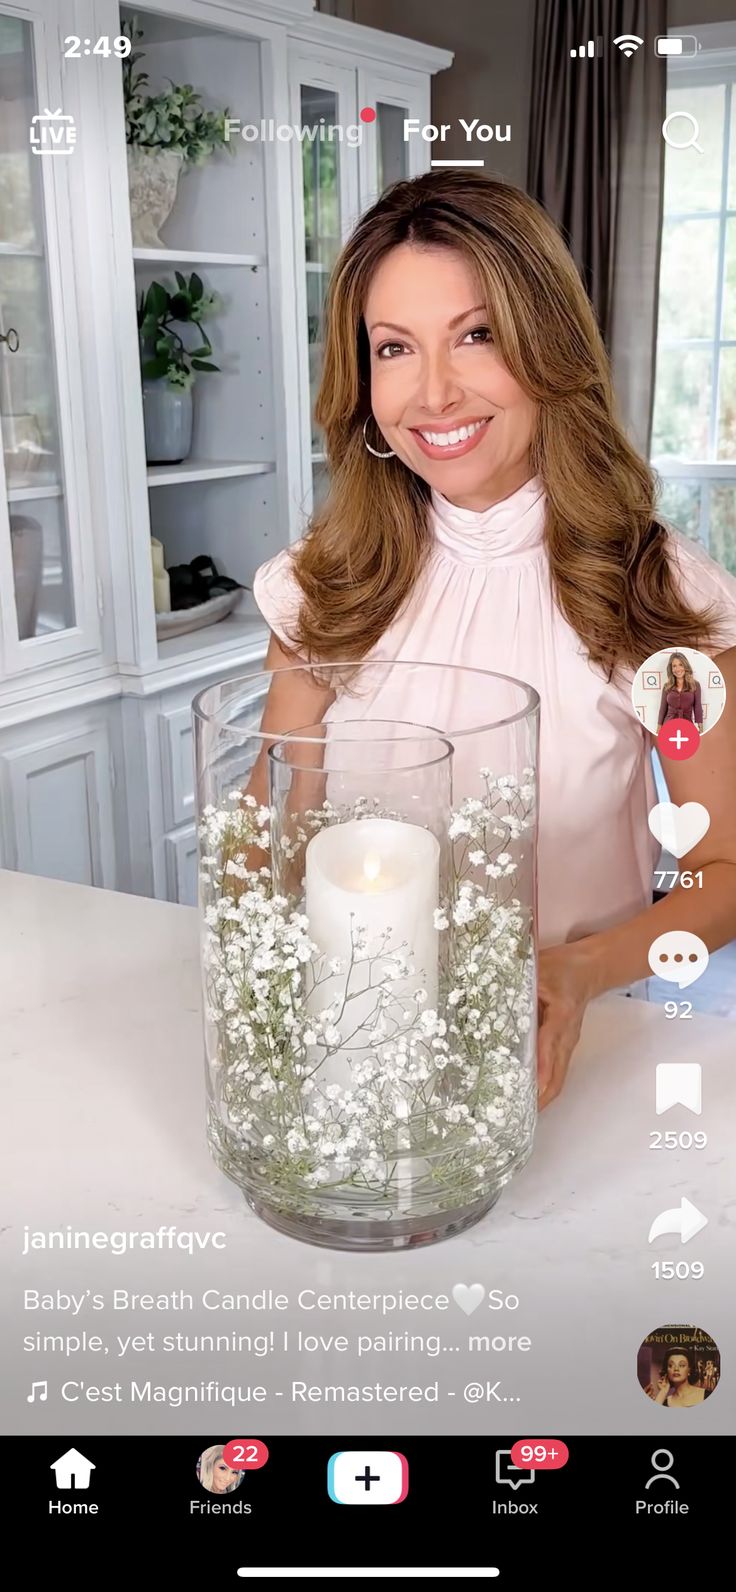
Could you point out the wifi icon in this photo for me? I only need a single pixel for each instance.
(628, 43)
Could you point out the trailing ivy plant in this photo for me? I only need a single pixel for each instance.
(163, 351)
(175, 119)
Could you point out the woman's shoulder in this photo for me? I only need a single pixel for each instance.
(704, 584)
(277, 592)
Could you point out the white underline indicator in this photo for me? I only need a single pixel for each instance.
(368, 1573)
(457, 163)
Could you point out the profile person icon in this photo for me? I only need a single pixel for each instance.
(662, 1467)
(681, 694)
(215, 1475)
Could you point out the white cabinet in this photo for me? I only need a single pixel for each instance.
(48, 596)
(352, 94)
(181, 866)
(157, 852)
(389, 154)
(175, 732)
(96, 764)
(57, 782)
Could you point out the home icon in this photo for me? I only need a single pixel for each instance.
(72, 1470)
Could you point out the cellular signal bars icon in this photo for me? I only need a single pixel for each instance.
(585, 51)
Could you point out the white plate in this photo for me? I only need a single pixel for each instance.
(181, 620)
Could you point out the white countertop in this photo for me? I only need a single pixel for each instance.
(103, 1111)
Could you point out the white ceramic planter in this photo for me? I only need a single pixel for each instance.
(153, 179)
(167, 418)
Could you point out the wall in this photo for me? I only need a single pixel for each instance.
(693, 13)
(491, 74)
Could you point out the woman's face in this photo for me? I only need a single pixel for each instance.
(440, 391)
(222, 1476)
(678, 1369)
(678, 669)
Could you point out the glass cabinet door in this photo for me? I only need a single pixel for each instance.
(388, 155)
(38, 596)
(322, 224)
(324, 101)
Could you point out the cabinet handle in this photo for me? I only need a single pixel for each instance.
(12, 339)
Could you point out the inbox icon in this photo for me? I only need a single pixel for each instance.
(367, 1476)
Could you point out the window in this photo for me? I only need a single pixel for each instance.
(694, 428)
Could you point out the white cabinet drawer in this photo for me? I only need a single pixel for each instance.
(180, 851)
(56, 795)
(176, 743)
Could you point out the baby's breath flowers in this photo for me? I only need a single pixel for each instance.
(439, 1107)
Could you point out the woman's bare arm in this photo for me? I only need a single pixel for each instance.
(293, 702)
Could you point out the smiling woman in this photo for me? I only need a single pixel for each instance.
(439, 389)
(487, 510)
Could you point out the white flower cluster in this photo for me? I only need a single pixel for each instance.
(442, 1099)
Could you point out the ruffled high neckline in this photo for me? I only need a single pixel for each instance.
(513, 526)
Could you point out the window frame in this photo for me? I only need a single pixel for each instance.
(714, 65)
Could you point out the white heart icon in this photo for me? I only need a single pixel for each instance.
(678, 829)
(468, 1298)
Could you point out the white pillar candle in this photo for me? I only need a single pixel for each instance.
(381, 876)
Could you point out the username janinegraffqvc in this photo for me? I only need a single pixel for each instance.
(122, 1243)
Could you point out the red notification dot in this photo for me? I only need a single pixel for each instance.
(540, 1453)
(678, 739)
(367, 114)
(245, 1453)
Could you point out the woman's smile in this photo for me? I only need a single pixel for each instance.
(437, 379)
(452, 439)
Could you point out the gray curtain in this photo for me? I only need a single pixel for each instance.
(596, 163)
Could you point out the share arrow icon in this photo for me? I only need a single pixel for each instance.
(684, 1219)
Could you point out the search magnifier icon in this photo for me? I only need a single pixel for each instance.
(690, 141)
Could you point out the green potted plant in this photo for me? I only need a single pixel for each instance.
(168, 366)
(165, 133)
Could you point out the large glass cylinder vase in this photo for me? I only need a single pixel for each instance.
(367, 888)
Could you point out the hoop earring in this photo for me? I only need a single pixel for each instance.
(375, 451)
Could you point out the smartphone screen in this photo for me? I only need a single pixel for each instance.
(367, 756)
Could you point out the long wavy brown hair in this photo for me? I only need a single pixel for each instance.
(689, 681)
(366, 546)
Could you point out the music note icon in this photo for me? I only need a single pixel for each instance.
(44, 1393)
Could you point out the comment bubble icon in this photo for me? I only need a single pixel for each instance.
(678, 957)
(508, 1474)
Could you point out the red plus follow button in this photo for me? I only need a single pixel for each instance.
(678, 739)
(540, 1453)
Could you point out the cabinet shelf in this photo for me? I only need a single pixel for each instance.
(172, 257)
(236, 631)
(204, 470)
(25, 494)
(17, 251)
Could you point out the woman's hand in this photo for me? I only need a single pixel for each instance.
(565, 987)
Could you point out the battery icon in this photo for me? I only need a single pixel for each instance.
(676, 44)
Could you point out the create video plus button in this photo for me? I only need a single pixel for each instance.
(367, 1476)
(678, 739)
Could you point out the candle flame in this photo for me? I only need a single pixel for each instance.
(371, 866)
